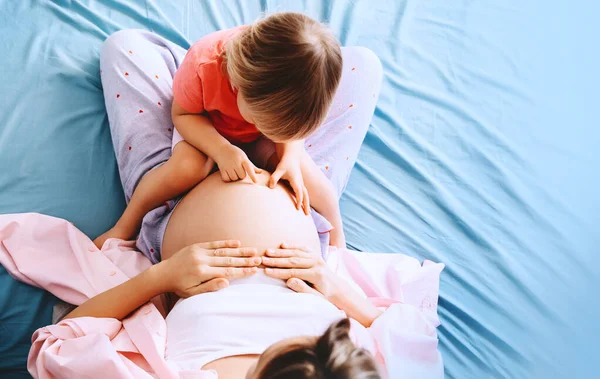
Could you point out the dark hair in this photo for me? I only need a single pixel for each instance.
(287, 67)
(331, 356)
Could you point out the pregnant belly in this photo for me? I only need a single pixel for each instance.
(254, 214)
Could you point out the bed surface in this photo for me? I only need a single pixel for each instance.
(483, 155)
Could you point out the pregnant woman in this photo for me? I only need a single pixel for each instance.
(265, 323)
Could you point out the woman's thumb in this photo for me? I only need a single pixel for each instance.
(299, 285)
(209, 286)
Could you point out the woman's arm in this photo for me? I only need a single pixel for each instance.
(123, 299)
(198, 268)
(348, 300)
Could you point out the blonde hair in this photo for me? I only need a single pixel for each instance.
(287, 68)
(331, 356)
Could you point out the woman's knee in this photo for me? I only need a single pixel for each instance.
(366, 59)
(117, 42)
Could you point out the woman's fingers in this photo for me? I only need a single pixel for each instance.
(235, 252)
(301, 286)
(208, 286)
(293, 246)
(293, 262)
(229, 272)
(234, 262)
(219, 244)
(289, 252)
(288, 273)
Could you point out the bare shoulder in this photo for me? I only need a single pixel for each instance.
(232, 367)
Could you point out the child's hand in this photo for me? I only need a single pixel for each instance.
(234, 164)
(289, 169)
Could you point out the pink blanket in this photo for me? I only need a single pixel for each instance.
(51, 253)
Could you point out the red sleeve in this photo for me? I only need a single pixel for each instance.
(187, 85)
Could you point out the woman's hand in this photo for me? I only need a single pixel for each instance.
(308, 273)
(298, 267)
(207, 267)
(234, 164)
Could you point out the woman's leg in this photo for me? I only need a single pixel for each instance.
(137, 69)
(334, 146)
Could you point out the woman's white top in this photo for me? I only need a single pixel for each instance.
(244, 318)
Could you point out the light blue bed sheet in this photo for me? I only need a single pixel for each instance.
(483, 154)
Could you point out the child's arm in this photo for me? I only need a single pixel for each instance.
(323, 198)
(198, 131)
(307, 180)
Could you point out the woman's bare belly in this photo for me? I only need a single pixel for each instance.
(254, 214)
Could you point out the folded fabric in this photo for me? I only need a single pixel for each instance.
(51, 253)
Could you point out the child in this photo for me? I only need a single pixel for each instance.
(274, 79)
